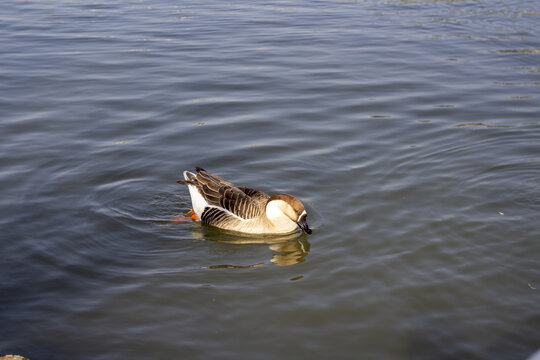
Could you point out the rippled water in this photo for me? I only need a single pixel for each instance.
(410, 130)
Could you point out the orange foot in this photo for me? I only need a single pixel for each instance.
(183, 219)
(193, 215)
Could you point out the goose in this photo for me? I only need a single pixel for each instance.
(220, 203)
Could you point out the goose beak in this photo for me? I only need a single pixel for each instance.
(302, 223)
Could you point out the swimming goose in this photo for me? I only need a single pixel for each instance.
(219, 203)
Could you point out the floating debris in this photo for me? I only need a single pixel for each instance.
(517, 51)
(231, 266)
(482, 124)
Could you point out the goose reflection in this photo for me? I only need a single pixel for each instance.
(291, 252)
(290, 249)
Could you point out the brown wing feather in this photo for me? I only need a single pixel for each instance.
(243, 202)
(254, 193)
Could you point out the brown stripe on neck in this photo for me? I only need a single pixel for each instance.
(289, 199)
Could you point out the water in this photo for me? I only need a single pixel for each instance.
(409, 129)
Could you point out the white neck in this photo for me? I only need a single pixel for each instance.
(276, 216)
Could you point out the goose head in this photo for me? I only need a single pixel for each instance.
(284, 210)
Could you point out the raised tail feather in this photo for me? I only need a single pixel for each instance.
(190, 178)
(186, 182)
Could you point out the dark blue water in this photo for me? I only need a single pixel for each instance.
(410, 130)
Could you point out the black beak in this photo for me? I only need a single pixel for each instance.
(303, 225)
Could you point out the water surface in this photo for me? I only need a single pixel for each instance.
(409, 129)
